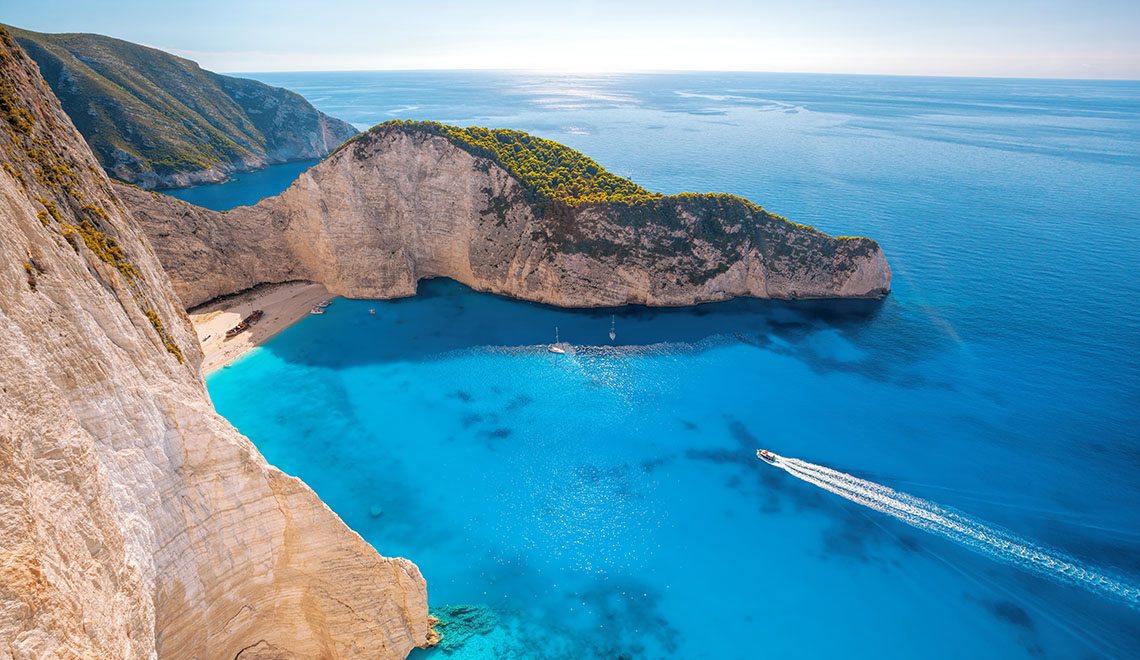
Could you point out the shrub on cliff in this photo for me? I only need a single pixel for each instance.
(548, 169)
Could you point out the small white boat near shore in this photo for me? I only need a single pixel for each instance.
(556, 347)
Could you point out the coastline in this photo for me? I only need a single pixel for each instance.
(284, 304)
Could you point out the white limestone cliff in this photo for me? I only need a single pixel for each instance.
(396, 206)
(135, 522)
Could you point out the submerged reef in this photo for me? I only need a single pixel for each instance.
(456, 624)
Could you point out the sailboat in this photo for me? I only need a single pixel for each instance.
(555, 348)
(612, 333)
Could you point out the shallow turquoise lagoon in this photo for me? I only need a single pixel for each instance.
(608, 503)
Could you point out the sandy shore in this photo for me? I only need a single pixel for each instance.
(283, 304)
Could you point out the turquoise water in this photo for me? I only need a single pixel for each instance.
(608, 503)
(245, 188)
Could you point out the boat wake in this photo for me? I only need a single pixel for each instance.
(995, 542)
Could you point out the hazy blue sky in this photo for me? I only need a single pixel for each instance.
(1037, 38)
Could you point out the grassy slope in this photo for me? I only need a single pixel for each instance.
(144, 110)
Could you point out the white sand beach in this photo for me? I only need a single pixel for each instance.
(283, 304)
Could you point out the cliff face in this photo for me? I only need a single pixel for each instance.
(399, 205)
(160, 121)
(134, 521)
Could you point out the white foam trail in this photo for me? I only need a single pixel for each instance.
(989, 540)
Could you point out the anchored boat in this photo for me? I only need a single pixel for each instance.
(556, 346)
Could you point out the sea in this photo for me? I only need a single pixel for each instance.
(959, 471)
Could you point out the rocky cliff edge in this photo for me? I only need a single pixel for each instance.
(134, 521)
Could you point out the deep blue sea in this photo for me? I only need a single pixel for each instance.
(608, 503)
(245, 188)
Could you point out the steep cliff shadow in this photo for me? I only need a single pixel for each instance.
(445, 317)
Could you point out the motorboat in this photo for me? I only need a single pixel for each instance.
(317, 310)
(766, 456)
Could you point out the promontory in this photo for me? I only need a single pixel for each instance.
(161, 121)
(499, 211)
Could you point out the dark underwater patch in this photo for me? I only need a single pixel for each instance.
(631, 610)
(651, 464)
(759, 340)
(722, 456)
(520, 401)
(1013, 615)
(1010, 612)
(743, 437)
(909, 543)
(791, 331)
(625, 615)
(847, 538)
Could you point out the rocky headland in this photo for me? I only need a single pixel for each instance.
(504, 212)
(161, 121)
(135, 522)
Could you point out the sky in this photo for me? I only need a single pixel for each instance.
(1002, 38)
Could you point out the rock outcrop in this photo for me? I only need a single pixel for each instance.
(135, 522)
(160, 121)
(402, 203)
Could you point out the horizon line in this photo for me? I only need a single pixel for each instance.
(602, 72)
(193, 56)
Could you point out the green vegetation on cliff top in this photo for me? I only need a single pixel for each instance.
(558, 181)
(146, 112)
(548, 169)
(553, 172)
